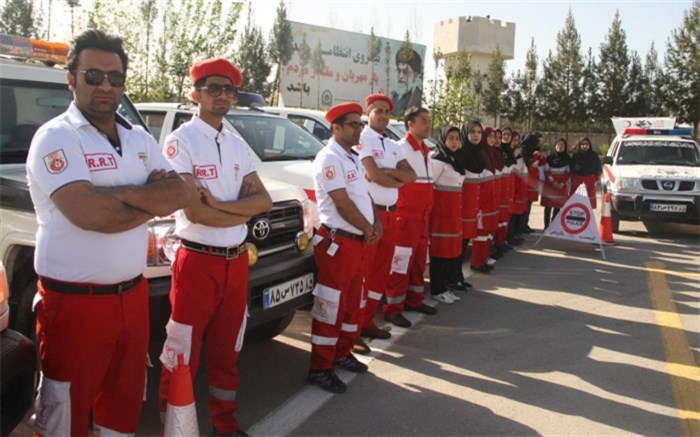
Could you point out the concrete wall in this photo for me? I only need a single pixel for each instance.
(476, 35)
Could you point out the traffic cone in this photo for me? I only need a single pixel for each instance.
(181, 414)
(605, 228)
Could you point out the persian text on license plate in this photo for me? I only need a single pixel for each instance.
(661, 207)
(286, 291)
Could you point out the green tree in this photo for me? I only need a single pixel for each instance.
(613, 71)
(530, 81)
(456, 100)
(683, 69)
(560, 88)
(374, 49)
(304, 59)
(653, 82)
(589, 86)
(21, 18)
(495, 86)
(149, 13)
(318, 64)
(636, 102)
(281, 46)
(252, 57)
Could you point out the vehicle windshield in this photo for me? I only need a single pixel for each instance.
(659, 152)
(275, 139)
(399, 127)
(26, 105)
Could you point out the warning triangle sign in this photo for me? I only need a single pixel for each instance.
(575, 221)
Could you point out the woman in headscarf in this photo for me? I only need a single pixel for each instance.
(487, 219)
(470, 139)
(585, 169)
(533, 158)
(507, 190)
(555, 189)
(519, 205)
(446, 216)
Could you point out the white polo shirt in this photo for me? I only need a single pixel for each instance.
(192, 149)
(334, 168)
(68, 149)
(386, 154)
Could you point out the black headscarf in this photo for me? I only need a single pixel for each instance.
(508, 153)
(559, 159)
(529, 145)
(471, 153)
(585, 163)
(444, 154)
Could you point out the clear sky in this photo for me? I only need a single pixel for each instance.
(644, 21)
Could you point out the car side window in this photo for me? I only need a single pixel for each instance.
(181, 118)
(312, 126)
(154, 120)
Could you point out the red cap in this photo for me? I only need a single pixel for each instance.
(378, 96)
(341, 109)
(215, 67)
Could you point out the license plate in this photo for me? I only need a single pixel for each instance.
(286, 291)
(661, 207)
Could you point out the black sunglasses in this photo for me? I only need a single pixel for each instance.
(95, 77)
(214, 90)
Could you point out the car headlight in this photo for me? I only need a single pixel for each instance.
(311, 218)
(162, 242)
(625, 184)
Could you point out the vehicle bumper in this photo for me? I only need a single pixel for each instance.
(637, 207)
(19, 378)
(268, 271)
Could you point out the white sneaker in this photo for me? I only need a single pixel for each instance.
(490, 262)
(444, 297)
(453, 296)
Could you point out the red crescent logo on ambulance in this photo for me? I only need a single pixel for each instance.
(56, 161)
(329, 172)
(171, 148)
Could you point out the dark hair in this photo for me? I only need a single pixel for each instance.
(411, 114)
(342, 118)
(96, 39)
(200, 82)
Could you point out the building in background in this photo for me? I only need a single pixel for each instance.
(348, 73)
(478, 36)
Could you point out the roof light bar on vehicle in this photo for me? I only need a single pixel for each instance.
(670, 132)
(36, 49)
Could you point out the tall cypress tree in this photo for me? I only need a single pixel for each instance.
(653, 82)
(280, 46)
(19, 17)
(636, 102)
(495, 86)
(252, 57)
(613, 71)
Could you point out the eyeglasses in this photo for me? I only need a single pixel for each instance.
(353, 124)
(96, 77)
(214, 90)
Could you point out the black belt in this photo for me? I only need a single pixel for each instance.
(77, 288)
(342, 233)
(226, 252)
(386, 208)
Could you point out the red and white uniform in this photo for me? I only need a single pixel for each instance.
(590, 182)
(339, 258)
(405, 285)
(533, 178)
(555, 196)
(209, 292)
(471, 189)
(506, 200)
(386, 154)
(446, 216)
(93, 347)
(520, 199)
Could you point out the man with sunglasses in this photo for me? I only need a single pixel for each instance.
(209, 293)
(95, 181)
(348, 223)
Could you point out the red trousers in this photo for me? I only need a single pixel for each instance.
(209, 295)
(337, 295)
(408, 288)
(94, 346)
(376, 268)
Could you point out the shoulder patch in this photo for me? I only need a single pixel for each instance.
(171, 148)
(56, 162)
(329, 172)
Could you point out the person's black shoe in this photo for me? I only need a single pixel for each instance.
(351, 364)
(481, 269)
(327, 379)
(239, 433)
(497, 255)
(422, 308)
(399, 320)
(460, 287)
(360, 347)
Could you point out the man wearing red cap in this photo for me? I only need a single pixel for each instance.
(348, 224)
(387, 169)
(210, 272)
(412, 219)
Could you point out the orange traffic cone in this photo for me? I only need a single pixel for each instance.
(605, 228)
(181, 414)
